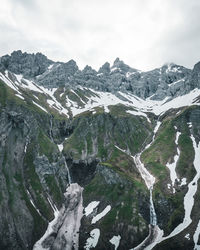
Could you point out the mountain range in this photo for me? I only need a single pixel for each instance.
(106, 159)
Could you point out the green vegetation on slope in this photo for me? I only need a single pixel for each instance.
(33, 180)
(46, 146)
(123, 197)
(96, 134)
(54, 189)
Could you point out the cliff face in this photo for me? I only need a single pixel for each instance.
(32, 170)
(69, 174)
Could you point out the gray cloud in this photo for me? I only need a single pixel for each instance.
(144, 33)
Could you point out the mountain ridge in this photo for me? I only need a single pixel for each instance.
(171, 79)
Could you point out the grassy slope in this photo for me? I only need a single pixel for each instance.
(162, 151)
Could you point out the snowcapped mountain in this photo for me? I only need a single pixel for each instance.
(169, 80)
(104, 160)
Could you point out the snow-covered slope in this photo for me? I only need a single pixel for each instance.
(70, 102)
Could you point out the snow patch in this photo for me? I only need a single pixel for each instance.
(147, 177)
(196, 237)
(30, 85)
(172, 166)
(36, 97)
(21, 97)
(128, 74)
(101, 215)
(19, 77)
(187, 236)
(40, 107)
(60, 147)
(100, 99)
(53, 103)
(50, 66)
(132, 112)
(157, 127)
(90, 207)
(115, 241)
(93, 240)
(30, 198)
(124, 151)
(8, 82)
(183, 182)
(115, 69)
(174, 83)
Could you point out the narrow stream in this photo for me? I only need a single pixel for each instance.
(188, 205)
(154, 231)
(68, 173)
(153, 217)
(50, 130)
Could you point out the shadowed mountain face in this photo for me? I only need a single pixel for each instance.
(98, 160)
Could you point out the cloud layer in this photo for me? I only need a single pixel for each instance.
(143, 33)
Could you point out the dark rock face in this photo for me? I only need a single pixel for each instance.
(13, 131)
(30, 65)
(26, 179)
(59, 75)
(105, 69)
(169, 80)
(82, 172)
(195, 77)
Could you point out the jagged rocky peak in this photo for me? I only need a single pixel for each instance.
(172, 68)
(169, 80)
(167, 67)
(89, 70)
(30, 65)
(70, 67)
(121, 66)
(105, 68)
(195, 76)
(196, 67)
(173, 73)
(58, 75)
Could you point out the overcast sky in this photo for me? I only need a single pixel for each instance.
(143, 33)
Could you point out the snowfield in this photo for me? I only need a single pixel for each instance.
(134, 104)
